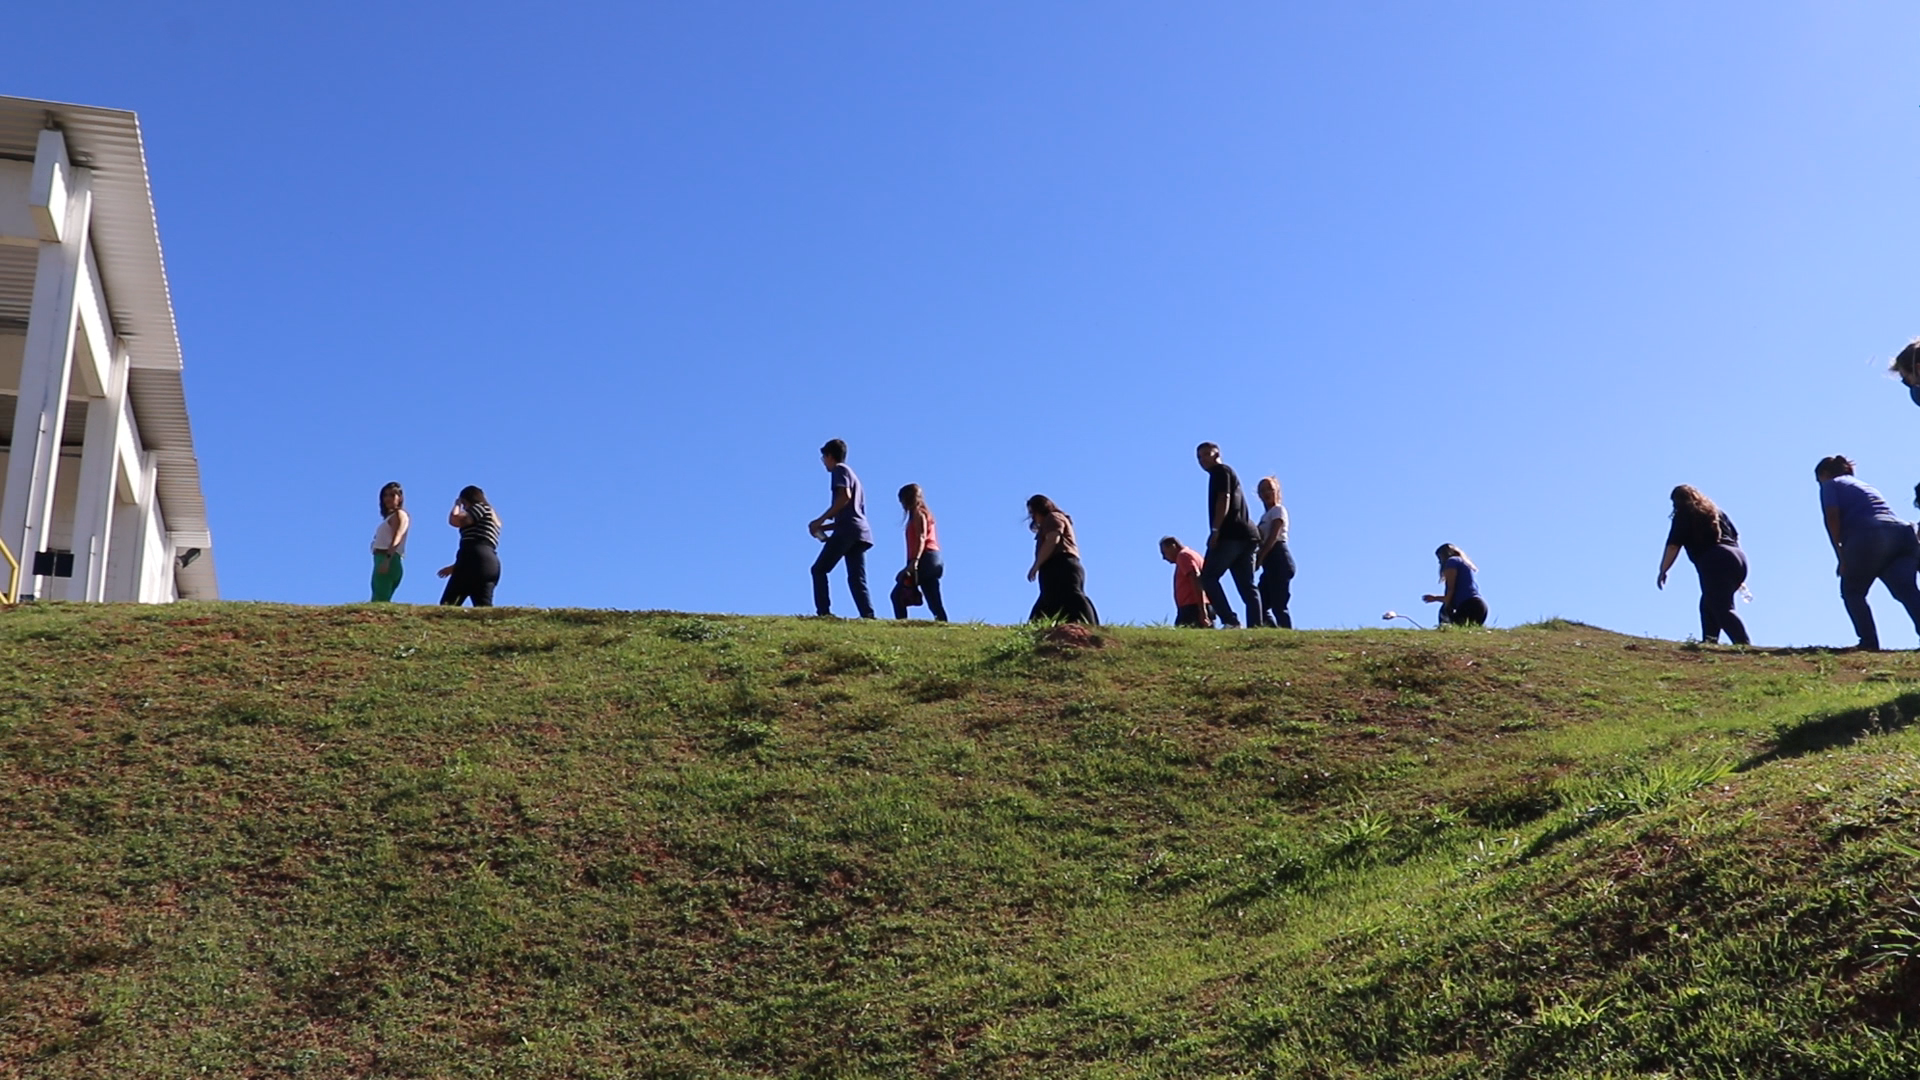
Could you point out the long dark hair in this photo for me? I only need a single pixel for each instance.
(1693, 510)
(912, 498)
(399, 499)
(1907, 359)
(473, 496)
(1038, 505)
(1450, 551)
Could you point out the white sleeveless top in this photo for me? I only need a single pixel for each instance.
(383, 537)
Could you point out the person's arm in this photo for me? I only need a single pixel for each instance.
(841, 497)
(1266, 545)
(458, 517)
(1043, 551)
(1833, 534)
(1219, 514)
(401, 525)
(1445, 600)
(916, 542)
(1666, 563)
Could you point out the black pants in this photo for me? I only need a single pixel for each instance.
(1276, 587)
(476, 570)
(1194, 615)
(1236, 557)
(1721, 574)
(1063, 592)
(1469, 612)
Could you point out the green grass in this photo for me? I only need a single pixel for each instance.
(261, 841)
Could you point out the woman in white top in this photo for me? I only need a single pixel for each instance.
(1275, 560)
(390, 543)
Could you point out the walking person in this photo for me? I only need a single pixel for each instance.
(1056, 565)
(1189, 602)
(476, 565)
(844, 531)
(1460, 602)
(1275, 561)
(1707, 535)
(1232, 541)
(924, 567)
(1869, 543)
(390, 543)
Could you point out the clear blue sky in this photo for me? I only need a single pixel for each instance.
(1499, 274)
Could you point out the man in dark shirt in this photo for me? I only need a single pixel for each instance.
(1232, 542)
(843, 532)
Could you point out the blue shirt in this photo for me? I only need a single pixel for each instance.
(852, 518)
(1463, 586)
(1860, 506)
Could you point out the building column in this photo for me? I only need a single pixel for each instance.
(62, 202)
(99, 474)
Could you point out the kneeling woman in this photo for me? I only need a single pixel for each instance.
(1460, 602)
(1712, 543)
(476, 566)
(1056, 565)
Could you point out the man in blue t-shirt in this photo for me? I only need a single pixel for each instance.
(844, 531)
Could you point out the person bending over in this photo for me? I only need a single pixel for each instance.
(1707, 535)
(1232, 541)
(924, 567)
(476, 566)
(1275, 561)
(1869, 543)
(1460, 602)
(1056, 566)
(844, 531)
(1189, 602)
(390, 543)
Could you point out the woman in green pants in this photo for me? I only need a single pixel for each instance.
(390, 543)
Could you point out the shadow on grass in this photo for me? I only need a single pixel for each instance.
(1821, 733)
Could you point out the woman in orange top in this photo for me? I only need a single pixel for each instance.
(923, 552)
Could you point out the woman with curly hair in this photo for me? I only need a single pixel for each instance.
(1869, 544)
(1056, 566)
(1708, 537)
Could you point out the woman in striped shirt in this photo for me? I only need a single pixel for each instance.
(476, 568)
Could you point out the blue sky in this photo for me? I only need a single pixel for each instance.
(1497, 274)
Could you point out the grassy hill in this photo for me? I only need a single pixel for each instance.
(265, 841)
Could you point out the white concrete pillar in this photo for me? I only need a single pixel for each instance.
(99, 472)
(141, 557)
(62, 202)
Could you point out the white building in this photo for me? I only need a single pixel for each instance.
(96, 455)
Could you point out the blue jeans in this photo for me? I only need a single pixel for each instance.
(1886, 553)
(926, 574)
(1276, 587)
(1236, 557)
(850, 547)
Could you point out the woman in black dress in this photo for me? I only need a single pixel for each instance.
(1708, 537)
(1056, 565)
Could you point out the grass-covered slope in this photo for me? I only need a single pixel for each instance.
(257, 841)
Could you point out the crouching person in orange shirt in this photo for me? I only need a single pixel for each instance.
(1189, 601)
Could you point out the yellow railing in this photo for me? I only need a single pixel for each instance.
(12, 595)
